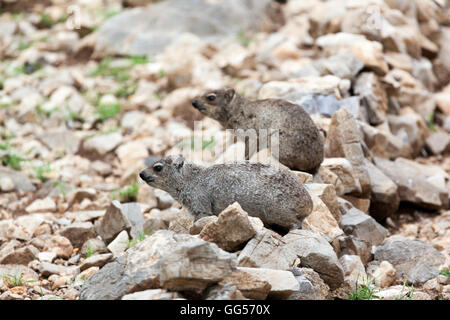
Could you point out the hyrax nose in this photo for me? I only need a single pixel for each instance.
(195, 103)
(143, 175)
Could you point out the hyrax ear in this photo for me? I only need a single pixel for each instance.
(178, 162)
(229, 93)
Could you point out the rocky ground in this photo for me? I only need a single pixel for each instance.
(91, 89)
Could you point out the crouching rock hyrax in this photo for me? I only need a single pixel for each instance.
(300, 141)
(274, 195)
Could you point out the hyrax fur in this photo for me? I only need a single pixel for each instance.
(274, 195)
(300, 141)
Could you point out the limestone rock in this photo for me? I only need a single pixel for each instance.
(384, 275)
(250, 286)
(363, 226)
(78, 233)
(413, 260)
(373, 95)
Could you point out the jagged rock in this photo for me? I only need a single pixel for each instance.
(369, 52)
(384, 199)
(316, 253)
(267, 250)
(119, 244)
(339, 173)
(321, 289)
(250, 286)
(201, 223)
(78, 233)
(94, 246)
(46, 256)
(59, 245)
(412, 185)
(118, 217)
(411, 129)
(13, 253)
(382, 143)
(320, 220)
(353, 246)
(363, 226)
(327, 193)
(354, 271)
(373, 96)
(344, 140)
(414, 260)
(231, 230)
(172, 261)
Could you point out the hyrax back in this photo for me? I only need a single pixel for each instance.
(300, 142)
(274, 195)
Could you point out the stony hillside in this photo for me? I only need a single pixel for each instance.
(92, 91)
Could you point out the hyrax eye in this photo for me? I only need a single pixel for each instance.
(211, 97)
(157, 167)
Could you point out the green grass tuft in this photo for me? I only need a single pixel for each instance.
(16, 280)
(445, 272)
(129, 193)
(107, 111)
(364, 291)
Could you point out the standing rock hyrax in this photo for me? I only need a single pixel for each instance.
(274, 195)
(301, 143)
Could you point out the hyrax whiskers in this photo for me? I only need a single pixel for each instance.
(275, 195)
(300, 141)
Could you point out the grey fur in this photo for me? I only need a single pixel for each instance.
(301, 143)
(276, 196)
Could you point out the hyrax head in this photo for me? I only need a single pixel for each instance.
(215, 104)
(165, 173)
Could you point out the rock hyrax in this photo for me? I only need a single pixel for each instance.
(301, 143)
(276, 196)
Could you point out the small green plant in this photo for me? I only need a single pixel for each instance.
(136, 60)
(23, 45)
(430, 122)
(10, 159)
(161, 73)
(209, 144)
(140, 237)
(46, 20)
(16, 280)
(41, 171)
(243, 39)
(445, 272)
(129, 193)
(106, 111)
(89, 251)
(61, 186)
(126, 91)
(104, 69)
(408, 295)
(364, 291)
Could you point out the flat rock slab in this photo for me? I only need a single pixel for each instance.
(414, 260)
(20, 180)
(363, 226)
(283, 283)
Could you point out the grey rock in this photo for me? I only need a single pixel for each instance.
(201, 223)
(373, 96)
(342, 65)
(78, 233)
(46, 269)
(98, 260)
(363, 227)
(13, 253)
(412, 185)
(384, 199)
(153, 294)
(60, 139)
(316, 253)
(21, 181)
(438, 143)
(119, 217)
(322, 290)
(102, 143)
(414, 260)
(227, 291)
(172, 261)
(148, 31)
(351, 245)
(95, 246)
(306, 290)
(327, 105)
